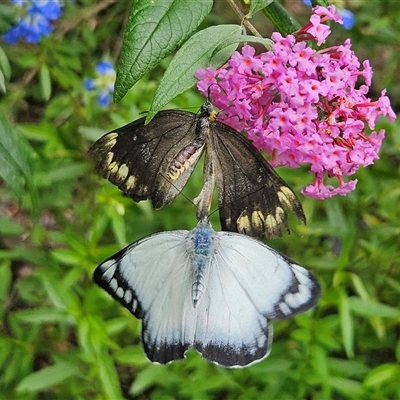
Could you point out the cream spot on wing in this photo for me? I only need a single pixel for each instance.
(130, 182)
(257, 219)
(243, 224)
(270, 222)
(279, 215)
(113, 167)
(110, 144)
(109, 158)
(286, 196)
(123, 171)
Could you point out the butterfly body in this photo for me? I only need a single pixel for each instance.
(216, 292)
(155, 161)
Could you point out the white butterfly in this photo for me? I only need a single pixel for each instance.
(216, 292)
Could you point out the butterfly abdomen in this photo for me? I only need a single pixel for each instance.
(202, 239)
(185, 159)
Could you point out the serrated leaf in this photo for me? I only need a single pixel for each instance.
(197, 52)
(45, 82)
(154, 29)
(47, 377)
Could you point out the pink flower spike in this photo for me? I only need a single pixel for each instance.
(303, 106)
(367, 72)
(384, 105)
(328, 13)
(318, 30)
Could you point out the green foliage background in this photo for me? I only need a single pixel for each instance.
(63, 337)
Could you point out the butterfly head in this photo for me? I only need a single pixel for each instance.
(207, 111)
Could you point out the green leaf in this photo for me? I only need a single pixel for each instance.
(346, 323)
(197, 52)
(15, 157)
(2, 82)
(5, 64)
(5, 281)
(373, 309)
(154, 29)
(45, 82)
(257, 5)
(45, 315)
(48, 377)
(349, 387)
(8, 227)
(109, 376)
(277, 14)
(382, 374)
(146, 379)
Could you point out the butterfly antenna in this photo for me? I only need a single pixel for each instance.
(179, 190)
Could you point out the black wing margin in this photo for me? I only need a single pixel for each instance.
(253, 199)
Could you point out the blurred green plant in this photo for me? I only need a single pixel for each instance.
(62, 337)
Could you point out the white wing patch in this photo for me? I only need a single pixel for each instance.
(241, 285)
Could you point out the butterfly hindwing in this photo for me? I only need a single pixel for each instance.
(253, 199)
(244, 285)
(136, 157)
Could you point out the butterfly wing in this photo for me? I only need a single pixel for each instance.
(245, 285)
(136, 157)
(249, 285)
(252, 198)
(151, 278)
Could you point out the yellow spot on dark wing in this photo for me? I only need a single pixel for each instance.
(257, 220)
(113, 168)
(243, 223)
(130, 182)
(110, 156)
(123, 171)
(270, 222)
(109, 141)
(286, 197)
(280, 215)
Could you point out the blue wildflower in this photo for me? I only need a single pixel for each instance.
(104, 98)
(104, 68)
(347, 17)
(103, 84)
(33, 20)
(308, 3)
(89, 84)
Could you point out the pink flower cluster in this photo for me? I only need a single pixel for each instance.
(302, 105)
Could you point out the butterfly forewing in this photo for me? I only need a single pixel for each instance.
(136, 157)
(244, 286)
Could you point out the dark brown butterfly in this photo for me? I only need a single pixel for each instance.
(155, 161)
